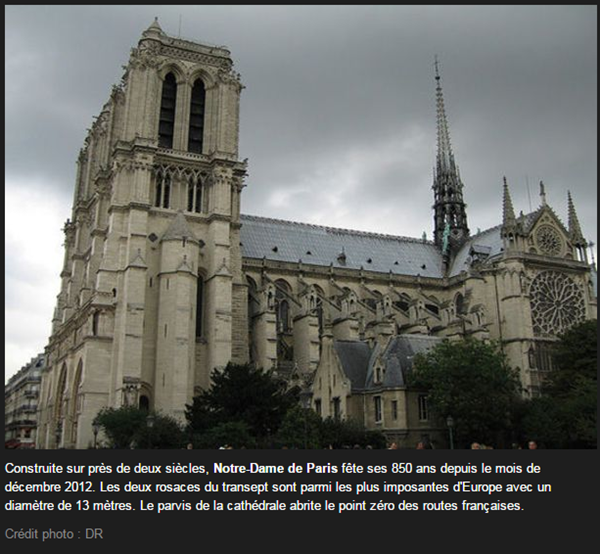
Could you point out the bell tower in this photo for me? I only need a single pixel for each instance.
(152, 297)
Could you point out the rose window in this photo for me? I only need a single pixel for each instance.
(549, 240)
(557, 303)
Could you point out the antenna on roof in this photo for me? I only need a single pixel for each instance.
(528, 193)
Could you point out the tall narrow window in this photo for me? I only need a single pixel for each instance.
(162, 198)
(167, 112)
(199, 306)
(196, 129)
(166, 201)
(194, 195)
(423, 408)
(378, 408)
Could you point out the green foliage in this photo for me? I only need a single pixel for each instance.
(471, 381)
(235, 434)
(566, 415)
(241, 393)
(127, 427)
(347, 434)
(301, 428)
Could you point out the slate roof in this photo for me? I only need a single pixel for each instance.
(397, 359)
(489, 241)
(354, 357)
(358, 360)
(289, 241)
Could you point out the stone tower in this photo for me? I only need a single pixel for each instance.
(152, 280)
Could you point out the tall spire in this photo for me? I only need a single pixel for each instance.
(450, 218)
(574, 227)
(508, 212)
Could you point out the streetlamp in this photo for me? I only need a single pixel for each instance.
(150, 424)
(450, 424)
(95, 429)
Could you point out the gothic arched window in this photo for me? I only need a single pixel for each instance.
(282, 307)
(194, 191)
(166, 124)
(162, 198)
(196, 129)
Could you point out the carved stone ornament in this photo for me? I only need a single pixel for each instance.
(143, 58)
(549, 240)
(557, 303)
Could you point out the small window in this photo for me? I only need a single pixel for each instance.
(337, 408)
(318, 406)
(394, 410)
(378, 408)
(423, 408)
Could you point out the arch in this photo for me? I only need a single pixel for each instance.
(282, 306)
(144, 403)
(162, 191)
(459, 302)
(170, 66)
(197, 112)
(403, 303)
(194, 193)
(372, 302)
(166, 123)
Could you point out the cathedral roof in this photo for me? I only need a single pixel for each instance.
(354, 358)
(489, 240)
(288, 241)
(358, 360)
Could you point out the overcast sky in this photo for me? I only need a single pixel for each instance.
(337, 118)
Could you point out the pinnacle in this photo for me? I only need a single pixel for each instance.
(508, 212)
(573, 221)
(154, 29)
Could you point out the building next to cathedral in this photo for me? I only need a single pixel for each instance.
(164, 280)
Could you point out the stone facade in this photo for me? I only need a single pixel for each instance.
(21, 397)
(164, 280)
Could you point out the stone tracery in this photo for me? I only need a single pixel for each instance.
(557, 303)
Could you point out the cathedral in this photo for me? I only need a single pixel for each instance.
(164, 280)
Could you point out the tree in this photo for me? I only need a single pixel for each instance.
(348, 433)
(566, 415)
(242, 393)
(301, 428)
(127, 427)
(471, 381)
